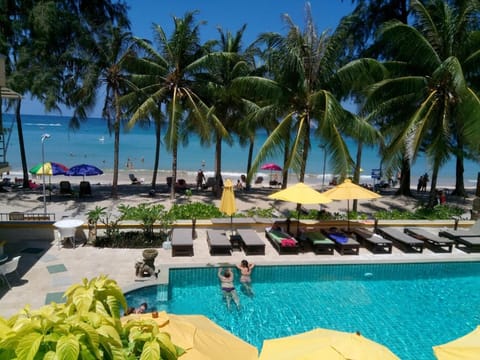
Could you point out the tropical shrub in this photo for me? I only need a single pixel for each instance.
(87, 326)
(195, 210)
(148, 215)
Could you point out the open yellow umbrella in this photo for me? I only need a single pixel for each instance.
(300, 193)
(324, 344)
(350, 191)
(464, 348)
(227, 202)
(200, 337)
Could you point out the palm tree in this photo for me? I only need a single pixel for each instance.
(170, 81)
(432, 61)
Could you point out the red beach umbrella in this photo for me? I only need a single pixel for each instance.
(271, 167)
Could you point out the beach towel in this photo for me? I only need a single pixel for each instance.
(338, 237)
(288, 242)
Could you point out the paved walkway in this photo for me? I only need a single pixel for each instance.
(47, 270)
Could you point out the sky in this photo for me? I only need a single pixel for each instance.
(259, 15)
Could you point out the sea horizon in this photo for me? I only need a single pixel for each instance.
(92, 144)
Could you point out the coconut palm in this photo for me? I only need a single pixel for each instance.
(429, 83)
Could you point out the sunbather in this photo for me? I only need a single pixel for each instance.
(246, 275)
(228, 289)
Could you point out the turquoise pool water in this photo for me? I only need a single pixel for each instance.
(407, 307)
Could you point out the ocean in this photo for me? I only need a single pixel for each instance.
(92, 144)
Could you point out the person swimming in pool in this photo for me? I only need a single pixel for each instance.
(246, 275)
(228, 289)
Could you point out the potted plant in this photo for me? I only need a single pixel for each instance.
(93, 216)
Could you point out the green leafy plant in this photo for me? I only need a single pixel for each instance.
(93, 217)
(146, 214)
(196, 210)
(87, 326)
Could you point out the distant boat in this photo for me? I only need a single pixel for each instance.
(101, 139)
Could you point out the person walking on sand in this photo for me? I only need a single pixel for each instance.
(246, 275)
(228, 289)
(200, 179)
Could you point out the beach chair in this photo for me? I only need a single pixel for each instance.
(134, 179)
(252, 244)
(281, 241)
(474, 231)
(8, 268)
(468, 244)
(218, 243)
(344, 244)
(406, 242)
(182, 243)
(373, 242)
(65, 188)
(321, 244)
(85, 189)
(432, 241)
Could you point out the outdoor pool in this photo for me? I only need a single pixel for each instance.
(407, 307)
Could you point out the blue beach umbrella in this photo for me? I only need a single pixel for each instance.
(84, 170)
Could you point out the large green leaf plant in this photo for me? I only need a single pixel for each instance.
(87, 326)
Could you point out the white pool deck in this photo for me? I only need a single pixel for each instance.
(42, 273)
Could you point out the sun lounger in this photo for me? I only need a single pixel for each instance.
(85, 189)
(373, 242)
(321, 245)
(284, 243)
(468, 244)
(344, 244)
(252, 244)
(434, 242)
(65, 188)
(406, 242)
(218, 242)
(474, 231)
(182, 243)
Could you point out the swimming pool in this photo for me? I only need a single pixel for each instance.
(407, 307)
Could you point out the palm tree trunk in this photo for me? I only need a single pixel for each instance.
(432, 198)
(249, 160)
(356, 174)
(218, 165)
(158, 129)
(174, 169)
(286, 155)
(21, 143)
(405, 177)
(116, 147)
(459, 170)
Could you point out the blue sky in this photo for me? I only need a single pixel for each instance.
(260, 16)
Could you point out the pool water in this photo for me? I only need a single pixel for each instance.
(407, 307)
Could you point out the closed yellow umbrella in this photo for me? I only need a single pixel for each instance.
(324, 344)
(200, 337)
(350, 191)
(465, 348)
(227, 202)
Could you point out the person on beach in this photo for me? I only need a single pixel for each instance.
(140, 310)
(246, 275)
(200, 179)
(228, 289)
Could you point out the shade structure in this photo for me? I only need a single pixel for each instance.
(200, 337)
(350, 191)
(324, 344)
(464, 348)
(271, 167)
(84, 170)
(49, 168)
(300, 193)
(227, 202)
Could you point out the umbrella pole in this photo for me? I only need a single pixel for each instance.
(348, 215)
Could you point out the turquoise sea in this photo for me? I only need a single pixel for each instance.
(93, 144)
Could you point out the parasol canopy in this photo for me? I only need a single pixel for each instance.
(271, 167)
(84, 170)
(300, 193)
(324, 344)
(200, 337)
(49, 168)
(464, 348)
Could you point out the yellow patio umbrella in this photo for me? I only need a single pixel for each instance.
(464, 348)
(350, 191)
(300, 193)
(200, 337)
(227, 202)
(324, 344)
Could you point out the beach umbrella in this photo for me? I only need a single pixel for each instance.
(350, 191)
(324, 344)
(49, 168)
(84, 170)
(300, 193)
(227, 202)
(271, 167)
(464, 348)
(200, 337)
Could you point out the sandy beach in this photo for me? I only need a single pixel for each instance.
(26, 200)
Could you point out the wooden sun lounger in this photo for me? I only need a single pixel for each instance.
(252, 244)
(468, 244)
(344, 244)
(182, 243)
(276, 236)
(474, 231)
(218, 242)
(434, 242)
(320, 243)
(373, 242)
(406, 242)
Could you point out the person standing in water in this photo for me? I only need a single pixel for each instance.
(246, 275)
(228, 289)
